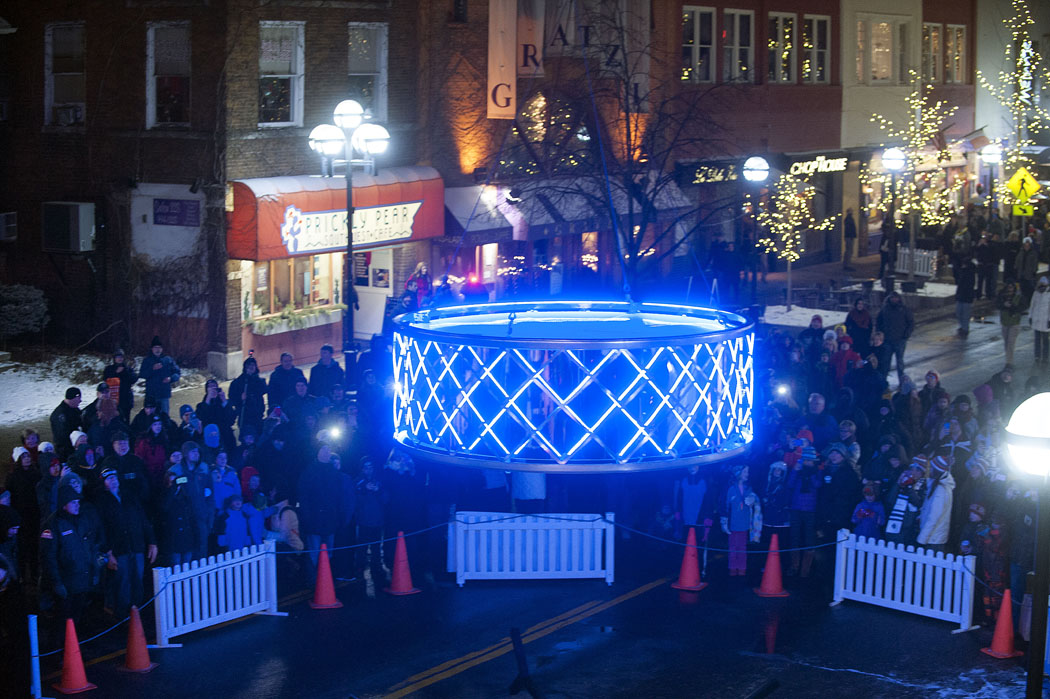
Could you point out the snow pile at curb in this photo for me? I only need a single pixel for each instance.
(31, 391)
(799, 316)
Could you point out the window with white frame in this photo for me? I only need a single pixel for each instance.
(931, 52)
(781, 44)
(882, 51)
(816, 49)
(955, 54)
(698, 44)
(281, 73)
(367, 66)
(64, 73)
(738, 46)
(167, 74)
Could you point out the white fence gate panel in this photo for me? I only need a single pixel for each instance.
(505, 546)
(209, 591)
(905, 578)
(925, 262)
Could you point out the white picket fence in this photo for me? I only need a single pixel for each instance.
(905, 578)
(209, 591)
(925, 262)
(505, 546)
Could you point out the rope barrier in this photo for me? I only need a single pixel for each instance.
(990, 588)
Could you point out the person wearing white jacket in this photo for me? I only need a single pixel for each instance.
(1039, 319)
(936, 515)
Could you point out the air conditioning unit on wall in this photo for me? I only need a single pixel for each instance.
(69, 226)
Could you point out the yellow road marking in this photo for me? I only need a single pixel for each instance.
(503, 649)
(502, 642)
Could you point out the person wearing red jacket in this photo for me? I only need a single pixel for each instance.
(842, 360)
(153, 449)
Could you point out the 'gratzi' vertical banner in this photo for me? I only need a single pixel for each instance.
(502, 87)
(530, 38)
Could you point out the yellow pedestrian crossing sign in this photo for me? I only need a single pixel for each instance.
(1024, 210)
(1022, 185)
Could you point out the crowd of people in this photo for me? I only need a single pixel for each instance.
(297, 459)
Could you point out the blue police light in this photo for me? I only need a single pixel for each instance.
(583, 386)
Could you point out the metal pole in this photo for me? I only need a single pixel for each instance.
(349, 356)
(34, 659)
(1040, 598)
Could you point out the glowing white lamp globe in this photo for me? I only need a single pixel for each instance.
(370, 139)
(756, 169)
(1028, 435)
(349, 114)
(992, 154)
(894, 159)
(327, 139)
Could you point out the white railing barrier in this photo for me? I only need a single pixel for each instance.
(925, 262)
(905, 578)
(505, 546)
(209, 591)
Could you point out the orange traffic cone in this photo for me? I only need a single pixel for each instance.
(689, 575)
(772, 585)
(401, 584)
(324, 591)
(74, 680)
(1003, 640)
(137, 657)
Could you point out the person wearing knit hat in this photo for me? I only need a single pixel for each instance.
(64, 420)
(160, 372)
(742, 520)
(121, 377)
(69, 547)
(935, 517)
(869, 516)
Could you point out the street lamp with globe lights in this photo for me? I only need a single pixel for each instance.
(756, 171)
(352, 133)
(1028, 441)
(894, 160)
(992, 155)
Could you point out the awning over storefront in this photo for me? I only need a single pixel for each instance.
(279, 217)
(543, 207)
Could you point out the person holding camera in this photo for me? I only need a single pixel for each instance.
(217, 410)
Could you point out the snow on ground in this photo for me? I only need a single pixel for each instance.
(799, 316)
(31, 391)
(937, 290)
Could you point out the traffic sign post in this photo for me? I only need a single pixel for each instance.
(1022, 185)
(1024, 210)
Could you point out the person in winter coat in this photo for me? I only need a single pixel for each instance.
(325, 374)
(70, 552)
(904, 501)
(160, 372)
(47, 486)
(1011, 305)
(936, 514)
(10, 523)
(1026, 266)
(882, 353)
(21, 483)
(129, 543)
(987, 254)
(694, 501)
(803, 483)
(283, 526)
(130, 469)
(179, 534)
(282, 381)
(248, 396)
(839, 493)
(240, 525)
(812, 338)
(1039, 319)
(222, 488)
(776, 504)
(108, 424)
(869, 516)
(144, 418)
(216, 409)
(858, 327)
(89, 415)
(371, 500)
(199, 488)
(965, 280)
(820, 422)
(122, 376)
(152, 448)
(742, 520)
(843, 359)
(65, 419)
(325, 504)
(896, 323)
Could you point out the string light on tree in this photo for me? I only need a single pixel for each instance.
(1018, 89)
(782, 216)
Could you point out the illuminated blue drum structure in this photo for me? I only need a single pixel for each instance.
(573, 387)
